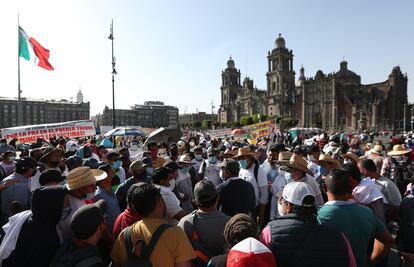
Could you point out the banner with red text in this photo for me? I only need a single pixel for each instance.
(29, 134)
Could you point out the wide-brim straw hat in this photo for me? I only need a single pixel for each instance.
(283, 157)
(83, 176)
(328, 159)
(230, 153)
(244, 151)
(351, 156)
(398, 150)
(296, 163)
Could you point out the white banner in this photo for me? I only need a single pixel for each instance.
(30, 133)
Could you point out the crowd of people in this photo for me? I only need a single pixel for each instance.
(200, 201)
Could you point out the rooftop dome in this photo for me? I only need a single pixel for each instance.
(230, 64)
(280, 41)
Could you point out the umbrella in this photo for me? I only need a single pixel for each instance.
(122, 131)
(162, 135)
(238, 131)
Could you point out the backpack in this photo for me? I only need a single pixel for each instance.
(146, 251)
(203, 256)
(402, 177)
(256, 170)
(80, 257)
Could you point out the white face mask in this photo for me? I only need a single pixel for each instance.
(347, 161)
(162, 151)
(280, 209)
(311, 158)
(172, 184)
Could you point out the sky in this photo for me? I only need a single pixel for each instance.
(174, 50)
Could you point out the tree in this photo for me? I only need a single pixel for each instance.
(206, 124)
(197, 124)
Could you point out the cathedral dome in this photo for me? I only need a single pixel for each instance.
(280, 41)
(344, 72)
(231, 64)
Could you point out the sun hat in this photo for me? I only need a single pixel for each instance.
(296, 192)
(250, 252)
(137, 165)
(398, 150)
(295, 163)
(283, 156)
(83, 176)
(86, 219)
(244, 151)
(229, 153)
(185, 159)
(376, 150)
(328, 159)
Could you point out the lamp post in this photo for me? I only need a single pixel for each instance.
(111, 37)
(404, 122)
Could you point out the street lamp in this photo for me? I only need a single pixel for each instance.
(111, 37)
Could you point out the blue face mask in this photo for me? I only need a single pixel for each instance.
(271, 175)
(243, 163)
(288, 177)
(116, 165)
(150, 171)
(198, 157)
(212, 159)
(322, 170)
(185, 169)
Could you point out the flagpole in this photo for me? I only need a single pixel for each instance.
(19, 103)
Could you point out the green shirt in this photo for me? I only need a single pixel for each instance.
(358, 223)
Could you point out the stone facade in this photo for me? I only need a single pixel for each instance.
(41, 111)
(185, 119)
(329, 101)
(152, 114)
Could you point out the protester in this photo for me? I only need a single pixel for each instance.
(139, 174)
(129, 216)
(183, 183)
(51, 158)
(31, 237)
(198, 158)
(209, 170)
(104, 191)
(18, 190)
(235, 194)
(296, 238)
(8, 163)
(204, 226)
(157, 161)
(237, 229)
(405, 234)
(51, 177)
(358, 223)
(250, 252)
(5, 147)
(173, 247)
(81, 183)
(88, 226)
(251, 172)
(114, 159)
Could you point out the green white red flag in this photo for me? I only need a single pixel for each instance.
(31, 50)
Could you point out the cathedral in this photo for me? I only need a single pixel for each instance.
(331, 101)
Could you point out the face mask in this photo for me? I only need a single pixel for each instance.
(116, 165)
(212, 160)
(288, 177)
(243, 163)
(88, 196)
(311, 158)
(11, 158)
(162, 151)
(198, 157)
(172, 184)
(150, 171)
(280, 209)
(192, 144)
(65, 213)
(185, 169)
(322, 170)
(271, 176)
(204, 150)
(72, 148)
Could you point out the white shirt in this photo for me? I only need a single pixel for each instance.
(34, 181)
(197, 164)
(248, 175)
(171, 202)
(211, 172)
(276, 189)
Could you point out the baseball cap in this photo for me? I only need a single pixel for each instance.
(296, 192)
(205, 192)
(230, 165)
(137, 165)
(73, 162)
(27, 162)
(87, 218)
(91, 163)
(250, 252)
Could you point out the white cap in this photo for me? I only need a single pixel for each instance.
(180, 144)
(295, 192)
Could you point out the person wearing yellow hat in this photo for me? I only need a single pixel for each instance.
(399, 167)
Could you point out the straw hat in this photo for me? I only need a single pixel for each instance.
(297, 163)
(83, 176)
(185, 159)
(283, 156)
(351, 156)
(230, 153)
(398, 150)
(328, 159)
(376, 150)
(244, 151)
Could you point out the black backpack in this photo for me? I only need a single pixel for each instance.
(146, 251)
(80, 257)
(402, 176)
(203, 255)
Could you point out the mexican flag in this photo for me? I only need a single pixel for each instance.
(30, 49)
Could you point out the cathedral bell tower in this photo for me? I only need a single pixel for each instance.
(280, 80)
(230, 87)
